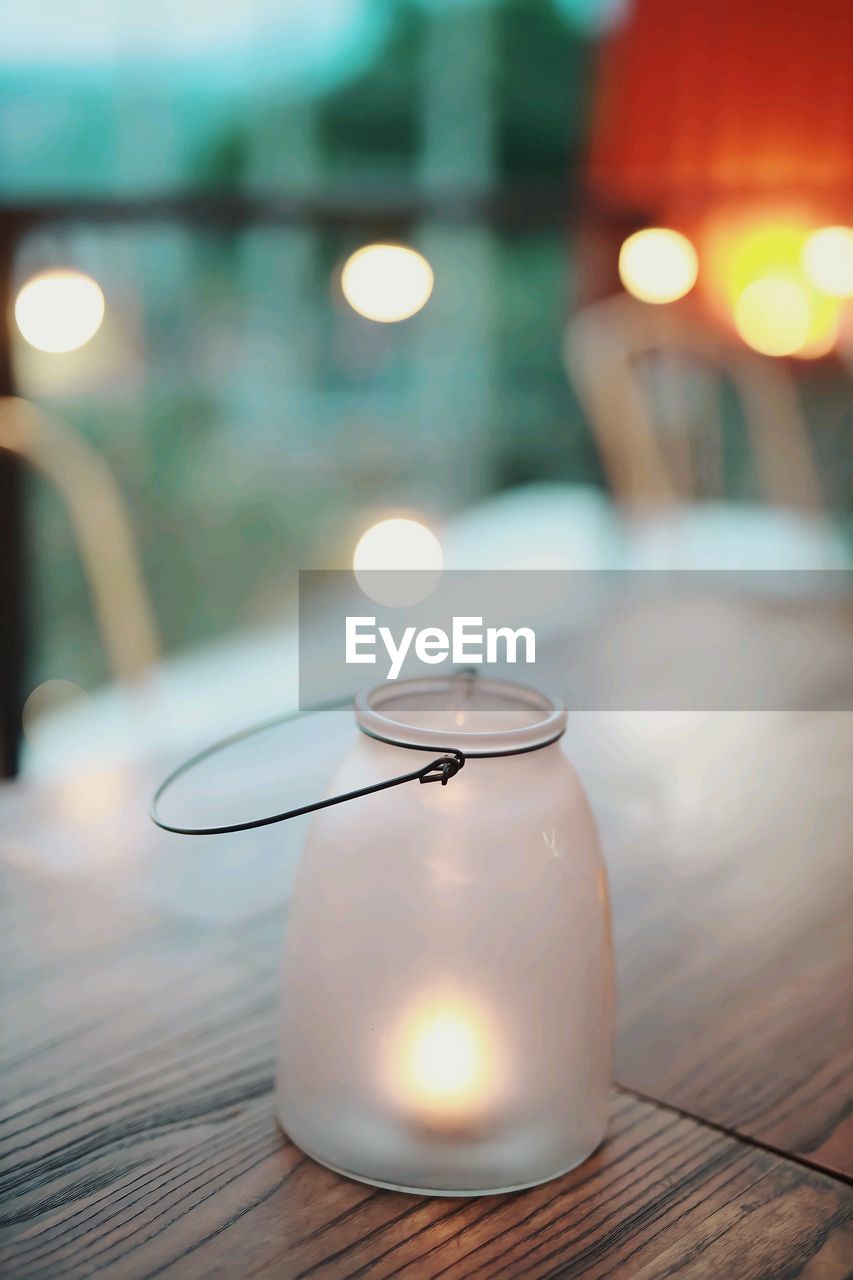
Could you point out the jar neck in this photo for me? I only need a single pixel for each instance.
(477, 718)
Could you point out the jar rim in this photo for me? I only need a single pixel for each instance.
(521, 718)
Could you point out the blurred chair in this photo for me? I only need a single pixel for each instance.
(651, 463)
(650, 379)
(101, 528)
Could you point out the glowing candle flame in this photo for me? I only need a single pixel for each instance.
(443, 1067)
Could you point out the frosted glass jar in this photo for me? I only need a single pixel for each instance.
(447, 987)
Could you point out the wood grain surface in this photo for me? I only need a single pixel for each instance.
(733, 901)
(137, 1134)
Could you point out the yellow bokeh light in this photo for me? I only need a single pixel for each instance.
(824, 330)
(59, 311)
(658, 265)
(387, 282)
(828, 260)
(755, 274)
(774, 316)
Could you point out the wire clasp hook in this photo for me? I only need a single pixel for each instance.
(442, 769)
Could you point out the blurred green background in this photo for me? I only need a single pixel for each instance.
(249, 414)
(252, 418)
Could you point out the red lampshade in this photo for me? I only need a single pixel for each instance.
(701, 101)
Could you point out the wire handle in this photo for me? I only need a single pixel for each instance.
(442, 769)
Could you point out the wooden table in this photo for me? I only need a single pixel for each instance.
(138, 1135)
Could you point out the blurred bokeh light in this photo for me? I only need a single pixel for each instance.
(658, 265)
(48, 698)
(264, 198)
(398, 543)
(387, 282)
(409, 550)
(828, 260)
(773, 316)
(757, 277)
(59, 311)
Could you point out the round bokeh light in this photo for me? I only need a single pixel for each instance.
(59, 311)
(658, 265)
(387, 282)
(828, 260)
(774, 316)
(398, 562)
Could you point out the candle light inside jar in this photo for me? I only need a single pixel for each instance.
(443, 1066)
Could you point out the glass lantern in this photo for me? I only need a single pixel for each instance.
(447, 988)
